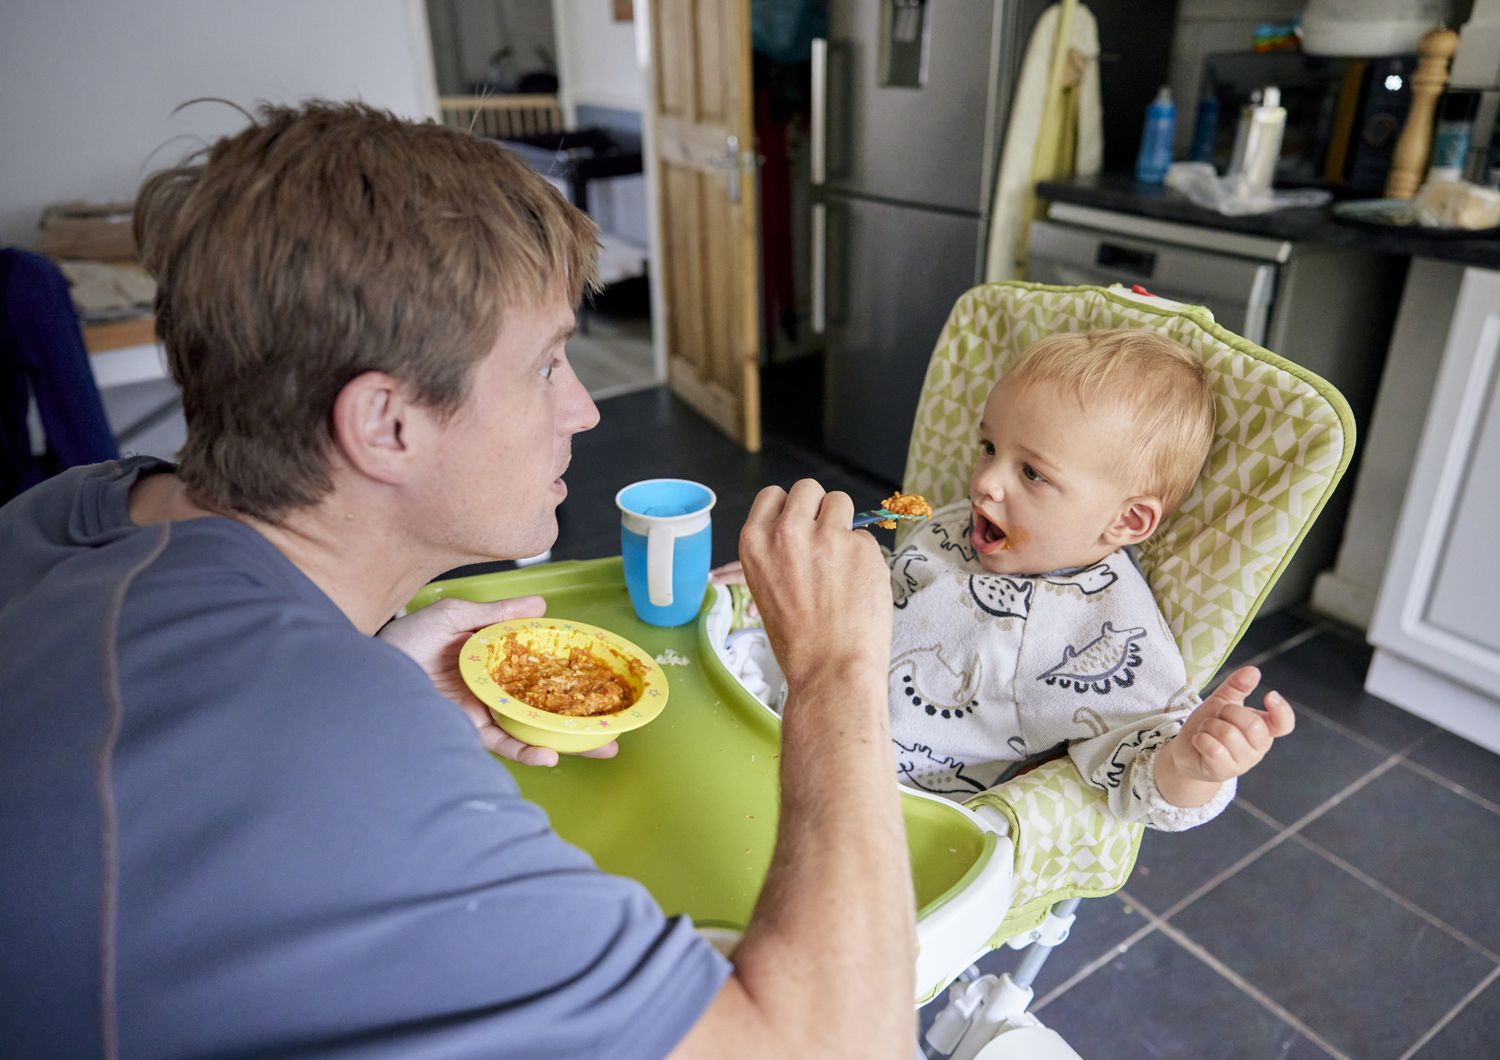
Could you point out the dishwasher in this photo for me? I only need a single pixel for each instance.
(1329, 309)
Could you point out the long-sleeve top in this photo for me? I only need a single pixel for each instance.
(988, 670)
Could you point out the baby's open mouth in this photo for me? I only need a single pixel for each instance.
(987, 536)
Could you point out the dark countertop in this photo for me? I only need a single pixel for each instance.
(1304, 225)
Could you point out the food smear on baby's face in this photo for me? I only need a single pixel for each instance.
(578, 684)
(904, 504)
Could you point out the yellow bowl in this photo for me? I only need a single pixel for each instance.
(556, 636)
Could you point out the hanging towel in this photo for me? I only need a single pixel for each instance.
(1056, 128)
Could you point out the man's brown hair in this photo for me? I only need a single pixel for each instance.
(322, 242)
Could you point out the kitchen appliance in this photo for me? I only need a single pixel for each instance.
(1328, 309)
(910, 101)
(1343, 116)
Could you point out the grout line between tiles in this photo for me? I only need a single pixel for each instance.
(1265, 1000)
(1100, 961)
(1344, 730)
(1294, 832)
(1432, 1032)
(1342, 794)
(1192, 896)
(1405, 903)
(1176, 934)
(1450, 785)
(1276, 649)
(1155, 920)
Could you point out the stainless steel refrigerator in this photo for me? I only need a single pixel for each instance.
(910, 99)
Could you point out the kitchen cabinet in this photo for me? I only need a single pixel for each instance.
(1436, 628)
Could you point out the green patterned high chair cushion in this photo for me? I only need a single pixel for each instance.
(1068, 844)
(1283, 437)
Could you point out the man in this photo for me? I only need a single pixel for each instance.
(241, 812)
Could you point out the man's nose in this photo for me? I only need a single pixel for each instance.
(581, 414)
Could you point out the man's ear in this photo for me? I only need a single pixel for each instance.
(1135, 522)
(375, 427)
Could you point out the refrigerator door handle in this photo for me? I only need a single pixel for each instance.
(819, 268)
(819, 135)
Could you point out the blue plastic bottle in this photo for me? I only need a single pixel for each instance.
(1156, 139)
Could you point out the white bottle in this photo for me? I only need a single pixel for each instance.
(1264, 129)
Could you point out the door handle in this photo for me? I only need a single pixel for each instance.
(732, 163)
(819, 132)
(819, 268)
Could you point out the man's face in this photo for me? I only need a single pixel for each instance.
(1045, 485)
(503, 452)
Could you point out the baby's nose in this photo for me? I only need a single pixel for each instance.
(990, 487)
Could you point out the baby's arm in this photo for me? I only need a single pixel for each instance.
(1221, 739)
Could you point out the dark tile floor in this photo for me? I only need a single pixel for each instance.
(1347, 904)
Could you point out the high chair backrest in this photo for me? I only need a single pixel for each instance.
(1282, 439)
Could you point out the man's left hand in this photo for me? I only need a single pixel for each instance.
(433, 637)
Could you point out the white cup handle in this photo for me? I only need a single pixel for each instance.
(659, 542)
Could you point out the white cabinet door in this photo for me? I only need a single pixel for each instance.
(1437, 622)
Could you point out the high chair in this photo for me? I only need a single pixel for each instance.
(689, 807)
(1283, 438)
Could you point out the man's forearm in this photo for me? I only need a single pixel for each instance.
(837, 907)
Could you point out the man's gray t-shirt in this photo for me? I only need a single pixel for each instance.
(233, 824)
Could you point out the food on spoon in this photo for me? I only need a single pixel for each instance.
(904, 504)
(579, 685)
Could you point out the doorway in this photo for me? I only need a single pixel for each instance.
(558, 83)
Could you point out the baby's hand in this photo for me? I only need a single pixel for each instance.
(728, 574)
(1224, 738)
(734, 574)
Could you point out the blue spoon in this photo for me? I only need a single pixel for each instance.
(880, 515)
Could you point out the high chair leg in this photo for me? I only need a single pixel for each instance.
(1037, 953)
(983, 1008)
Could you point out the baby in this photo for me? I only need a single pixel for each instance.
(1022, 622)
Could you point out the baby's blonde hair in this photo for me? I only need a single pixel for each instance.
(1160, 383)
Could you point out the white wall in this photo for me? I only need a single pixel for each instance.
(1208, 26)
(596, 60)
(88, 88)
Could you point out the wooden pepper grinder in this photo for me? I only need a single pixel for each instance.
(1410, 159)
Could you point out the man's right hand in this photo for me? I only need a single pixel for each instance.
(826, 964)
(822, 589)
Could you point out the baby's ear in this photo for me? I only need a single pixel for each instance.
(1136, 521)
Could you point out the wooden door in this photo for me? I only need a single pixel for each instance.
(704, 141)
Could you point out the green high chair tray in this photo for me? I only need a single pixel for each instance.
(689, 806)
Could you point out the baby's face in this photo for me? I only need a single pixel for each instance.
(1045, 487)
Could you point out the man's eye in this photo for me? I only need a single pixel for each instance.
(1032, 473)
(545, 371)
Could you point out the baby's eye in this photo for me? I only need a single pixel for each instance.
(987, 448)
(1032, 474)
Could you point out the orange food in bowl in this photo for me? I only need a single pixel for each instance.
(578, 684)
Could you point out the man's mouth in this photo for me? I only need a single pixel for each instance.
(987, 536)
